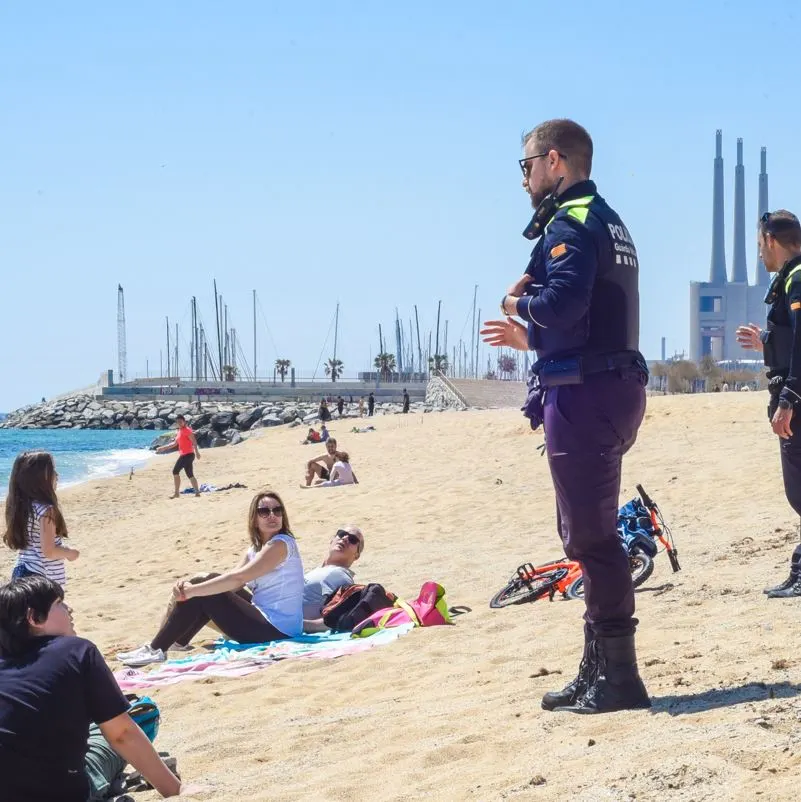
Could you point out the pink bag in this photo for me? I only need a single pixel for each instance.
(427, 610)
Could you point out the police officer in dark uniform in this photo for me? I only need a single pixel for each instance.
(580, 299)
(780, 342)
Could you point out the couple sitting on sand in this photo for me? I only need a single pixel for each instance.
(266, 597)
(330, 469)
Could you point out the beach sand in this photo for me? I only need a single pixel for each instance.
(453, 713)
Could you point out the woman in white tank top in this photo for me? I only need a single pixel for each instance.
(271, 568)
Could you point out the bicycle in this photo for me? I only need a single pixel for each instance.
(639, 535)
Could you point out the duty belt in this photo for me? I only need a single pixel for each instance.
(572, 370)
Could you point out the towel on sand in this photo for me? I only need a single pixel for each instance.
(231, 659)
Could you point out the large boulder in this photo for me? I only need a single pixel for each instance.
(161, 440)
(222, 421)
(271, 420)
(203, 435)
(158, 423)
(289, 414)
(236, 439)
(244, 420)
(218, 441)
(203, 419)
(134, 424)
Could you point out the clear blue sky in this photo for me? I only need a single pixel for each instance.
(360, 152)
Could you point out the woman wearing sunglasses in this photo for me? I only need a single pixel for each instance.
(273, 571)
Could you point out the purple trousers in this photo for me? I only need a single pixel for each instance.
(588, 429)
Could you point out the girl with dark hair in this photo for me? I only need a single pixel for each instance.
(272, 570)
(34, 524)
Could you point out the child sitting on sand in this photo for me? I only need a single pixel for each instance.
(273, 570)
(34, 524)
(65, 731)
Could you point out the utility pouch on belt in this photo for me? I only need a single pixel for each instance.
(777, 348)
(562, 371)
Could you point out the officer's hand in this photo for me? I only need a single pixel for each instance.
(519, 287)
(506, 333)
(781, 422)
(749, 337)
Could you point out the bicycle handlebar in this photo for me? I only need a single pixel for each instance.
(646, 499)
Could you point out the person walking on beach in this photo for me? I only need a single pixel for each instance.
(780, 251)
(579, 296)
(35, 526)
(405, 401)
(370, 405)
(186, 442)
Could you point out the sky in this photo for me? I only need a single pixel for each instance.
(355, 153)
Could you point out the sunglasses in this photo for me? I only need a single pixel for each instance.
(266, 512)
(524, 162)
(354, 540)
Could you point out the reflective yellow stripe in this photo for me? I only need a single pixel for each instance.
(576, 205)
(789, 280)
(579, 214)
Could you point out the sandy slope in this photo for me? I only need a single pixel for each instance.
(453, 713)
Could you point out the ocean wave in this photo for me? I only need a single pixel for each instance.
(105, 464)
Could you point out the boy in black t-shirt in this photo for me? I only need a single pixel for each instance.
(53, 686)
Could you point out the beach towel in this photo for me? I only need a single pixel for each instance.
(427, 610)
(231, 659)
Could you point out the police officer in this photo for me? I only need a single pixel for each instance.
(580, 299)
(780, 342)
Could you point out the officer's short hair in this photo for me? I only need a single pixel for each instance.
(567, 137)
(784, 226)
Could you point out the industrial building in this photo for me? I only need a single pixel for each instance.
(721, 304)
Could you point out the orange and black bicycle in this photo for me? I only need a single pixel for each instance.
(641, 528)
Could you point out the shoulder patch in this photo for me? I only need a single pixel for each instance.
(795, 306)
(558, 250)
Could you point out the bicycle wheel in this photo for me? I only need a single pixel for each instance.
(642, 566)
(575, 590)
(520, 592)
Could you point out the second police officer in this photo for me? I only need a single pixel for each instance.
(580, 298)
(780, 342)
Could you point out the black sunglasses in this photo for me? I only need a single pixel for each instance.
(522, 162)
(354, 540)
(266, 512)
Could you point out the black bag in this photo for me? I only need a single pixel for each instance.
(350, 605)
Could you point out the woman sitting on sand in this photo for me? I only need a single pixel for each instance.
(273, 571)
(341, 473)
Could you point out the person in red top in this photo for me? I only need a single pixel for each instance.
(186, 442)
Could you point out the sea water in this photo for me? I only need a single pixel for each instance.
(79, 454)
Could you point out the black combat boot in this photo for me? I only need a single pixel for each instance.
(615, 682)
(792, 585)
(576, 689)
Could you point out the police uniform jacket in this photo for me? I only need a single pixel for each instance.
(782, 336)
(584, 295)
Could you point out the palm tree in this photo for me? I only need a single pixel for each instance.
(229, 373)
(438, 362)
(506, 366)
(386, 365)
(282, 367)
(333, 368)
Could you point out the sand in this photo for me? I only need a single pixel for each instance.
(452, 713)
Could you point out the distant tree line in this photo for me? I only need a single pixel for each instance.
(684, 376)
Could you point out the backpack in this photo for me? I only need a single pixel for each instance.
(350, 605)
(145, 712)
